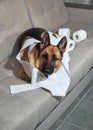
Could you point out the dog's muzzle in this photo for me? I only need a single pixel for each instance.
(47, 70)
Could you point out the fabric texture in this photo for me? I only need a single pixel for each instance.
(48, 15)
(82, 55)
(12, 22)
(20, 111)
(25, 111)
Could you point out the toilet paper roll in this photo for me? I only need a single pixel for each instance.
(79, 35)
(64, 32)
(70, 45)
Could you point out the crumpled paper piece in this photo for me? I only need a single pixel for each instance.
(57, 83)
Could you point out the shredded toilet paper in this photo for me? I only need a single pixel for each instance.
(58, 82)
(64, 32)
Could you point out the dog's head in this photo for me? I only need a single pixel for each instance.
(50, 56)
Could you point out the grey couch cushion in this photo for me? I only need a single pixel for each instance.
(13, 20)
(28, 109)
(82, 56)
(47, 14)
(25, 110)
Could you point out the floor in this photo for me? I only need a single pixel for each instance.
(79, 116)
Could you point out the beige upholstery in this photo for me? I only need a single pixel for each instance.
(28, 110)
(13, 20)
(47, 14)
(81, 57)
(25, 110)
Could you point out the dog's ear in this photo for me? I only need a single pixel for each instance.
(45, 40)
(62, 45)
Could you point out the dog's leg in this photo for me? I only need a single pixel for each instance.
(23, 75)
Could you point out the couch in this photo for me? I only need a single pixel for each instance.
(38, 109)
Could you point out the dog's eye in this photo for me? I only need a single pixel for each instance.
(45, 56)
(54, 58)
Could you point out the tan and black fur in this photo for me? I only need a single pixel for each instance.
(44, 56)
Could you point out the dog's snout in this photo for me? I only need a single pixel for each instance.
(47, 71)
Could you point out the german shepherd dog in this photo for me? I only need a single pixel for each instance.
(44, 56)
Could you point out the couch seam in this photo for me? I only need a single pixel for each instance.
(26, 4)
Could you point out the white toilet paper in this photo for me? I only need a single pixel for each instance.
(64, 32)
(54, 40)
(70, 45)
(79, 35)
(57, 83)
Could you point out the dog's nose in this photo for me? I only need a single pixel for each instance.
(47, 71)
